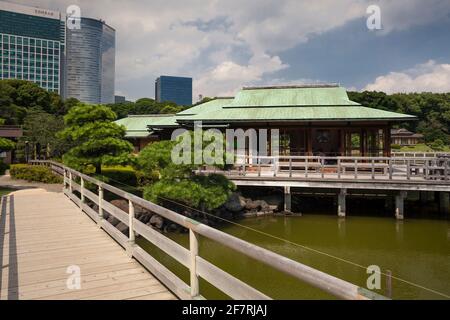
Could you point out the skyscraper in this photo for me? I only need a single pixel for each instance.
(36, 45)
(91, 62)
(32, 45)
(174, 89)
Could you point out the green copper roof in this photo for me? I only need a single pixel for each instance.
(136, 125)
(293, 103)
(291, 96)
(212, 105)
(336, 113)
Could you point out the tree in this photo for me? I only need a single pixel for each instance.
(6, 145)
(179, 182)
(99, 141)
(40, 128)
(431, 109)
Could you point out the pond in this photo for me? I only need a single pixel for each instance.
(416, 251)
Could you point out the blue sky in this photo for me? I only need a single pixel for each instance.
(227, 44)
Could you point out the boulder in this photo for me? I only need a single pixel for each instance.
(122, 227)
(113, 220)
(121, 204)
(235, 203)
(144, 218)
(156, 221)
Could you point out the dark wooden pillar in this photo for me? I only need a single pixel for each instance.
(309, 139)
(342, 142)
(387, 141)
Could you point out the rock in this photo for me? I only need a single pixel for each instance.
(171, 228)
(113, 220)
(257, 205)
(122, 227)
(144, 218)
(121, 204)
(235, 203)
(156, 221)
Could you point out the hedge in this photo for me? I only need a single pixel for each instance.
(3, 167)
(34, 173)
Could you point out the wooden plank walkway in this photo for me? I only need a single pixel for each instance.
(42, 234)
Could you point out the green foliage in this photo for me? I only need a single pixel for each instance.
(205, 192)
(145, 106)
(432, 110)
(6, 145)
(41, 128)
(395, 147)
(438, 145)
(167, 180)
(34, 173)
(123, 175)
(3, 168)
(98, 140)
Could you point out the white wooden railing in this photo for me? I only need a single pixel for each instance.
(431, 169)
(74, 182)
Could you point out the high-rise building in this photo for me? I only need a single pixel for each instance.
(91, 62)
(174, 89)
(32, 45)
(36, 45)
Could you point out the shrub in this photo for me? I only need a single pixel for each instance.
(34, 173)
(395, 146)
(3, 168)
(125, 175)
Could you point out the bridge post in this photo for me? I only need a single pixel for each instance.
(82, 191)
(444, 202)
(400, 205)
(193, 248)
(342, 209)
(70, 183)
(287, 199)
(131, 237)
(100, 205)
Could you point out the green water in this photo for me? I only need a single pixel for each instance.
(417, 251)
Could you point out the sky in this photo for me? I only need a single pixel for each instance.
(227, 44)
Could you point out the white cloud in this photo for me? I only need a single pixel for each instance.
(179, 38)
(427, 77)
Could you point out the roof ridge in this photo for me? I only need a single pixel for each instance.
(156, 115)
(299, 86)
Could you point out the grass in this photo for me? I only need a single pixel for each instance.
(421, 147)
(5, 191)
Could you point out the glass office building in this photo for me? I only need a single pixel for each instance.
(90, 67)
(174, 89)
(32, 45)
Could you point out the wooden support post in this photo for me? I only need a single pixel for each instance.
(131, 237)
(399, 205)
(342, 203)
(287, 199)
(444, 202)
(100, 205)
(82, 191)
(70, 182)
(193, 246)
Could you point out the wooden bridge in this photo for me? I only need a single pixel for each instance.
(60, 246)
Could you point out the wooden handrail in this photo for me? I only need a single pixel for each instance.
(191, 259)
(431, 169)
